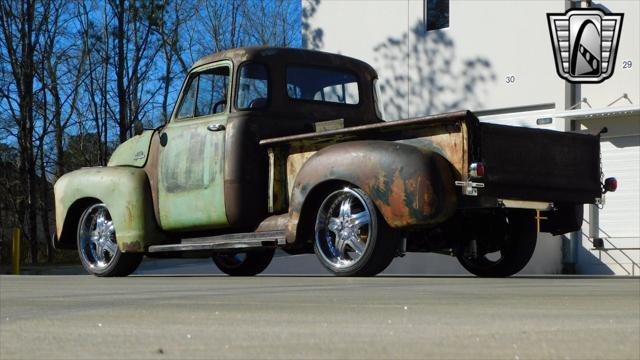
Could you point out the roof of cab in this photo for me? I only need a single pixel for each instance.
(280, 54)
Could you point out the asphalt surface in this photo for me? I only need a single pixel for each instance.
(167, 317)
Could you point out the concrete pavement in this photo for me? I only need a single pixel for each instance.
(168, 317)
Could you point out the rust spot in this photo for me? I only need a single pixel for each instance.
(294, 218)
(294, 164)
(129, 216)
(396, 210)
(131, 246)
(381, 181)
(428, 199)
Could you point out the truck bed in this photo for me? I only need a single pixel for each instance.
(520, 163)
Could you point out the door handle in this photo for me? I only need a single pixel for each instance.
(215, 127)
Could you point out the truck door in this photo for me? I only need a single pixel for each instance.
(191, 163)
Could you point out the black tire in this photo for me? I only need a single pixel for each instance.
(96, 257)
(515, 236)
(356, 257)
(248, 263)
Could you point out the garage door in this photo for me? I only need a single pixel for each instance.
(620, 218)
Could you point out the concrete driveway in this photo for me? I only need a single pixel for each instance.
(168, 317)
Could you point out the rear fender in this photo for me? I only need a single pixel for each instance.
(126, 193)
(410, 186)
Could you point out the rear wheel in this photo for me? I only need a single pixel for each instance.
(244, 263)
(502, 247)
(98, 246)
(351, 237)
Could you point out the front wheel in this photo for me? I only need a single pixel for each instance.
(244, 263)
(351, 237)
(502, 247)
(98, 247)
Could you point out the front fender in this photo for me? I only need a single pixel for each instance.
(126, 193)
(410, 186)
(133, 152)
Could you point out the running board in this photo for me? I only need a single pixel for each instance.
(225, 242)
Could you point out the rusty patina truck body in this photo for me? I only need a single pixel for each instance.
(285, 148)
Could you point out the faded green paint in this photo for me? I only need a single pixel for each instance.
(125, 192)
(132, 152)
(190, 178)
(191, 172)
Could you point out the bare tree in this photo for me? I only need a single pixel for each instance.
(63, 59)
(270, 22)
(21, 26)
(76, 74)
(177, 13)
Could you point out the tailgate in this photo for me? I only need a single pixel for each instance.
(535, 164)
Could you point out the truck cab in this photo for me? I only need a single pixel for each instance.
(229, 102)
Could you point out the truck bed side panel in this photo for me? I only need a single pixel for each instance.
(446, 134)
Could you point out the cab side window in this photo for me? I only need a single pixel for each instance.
(206, 94)
(253, 87)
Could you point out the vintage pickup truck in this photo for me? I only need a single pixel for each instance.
(273, 148)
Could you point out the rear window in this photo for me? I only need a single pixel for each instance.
(323, 85)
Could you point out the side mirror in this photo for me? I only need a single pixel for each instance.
(138, 128)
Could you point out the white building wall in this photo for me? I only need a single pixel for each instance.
(624, 80)
(466, 67)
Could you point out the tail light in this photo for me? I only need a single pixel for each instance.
(476, 170)
(610, 184)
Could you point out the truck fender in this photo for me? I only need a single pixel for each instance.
(126, 193)
(133, 152)
(410, 186)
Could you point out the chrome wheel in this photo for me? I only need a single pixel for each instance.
(97, 238)
(344, 227)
